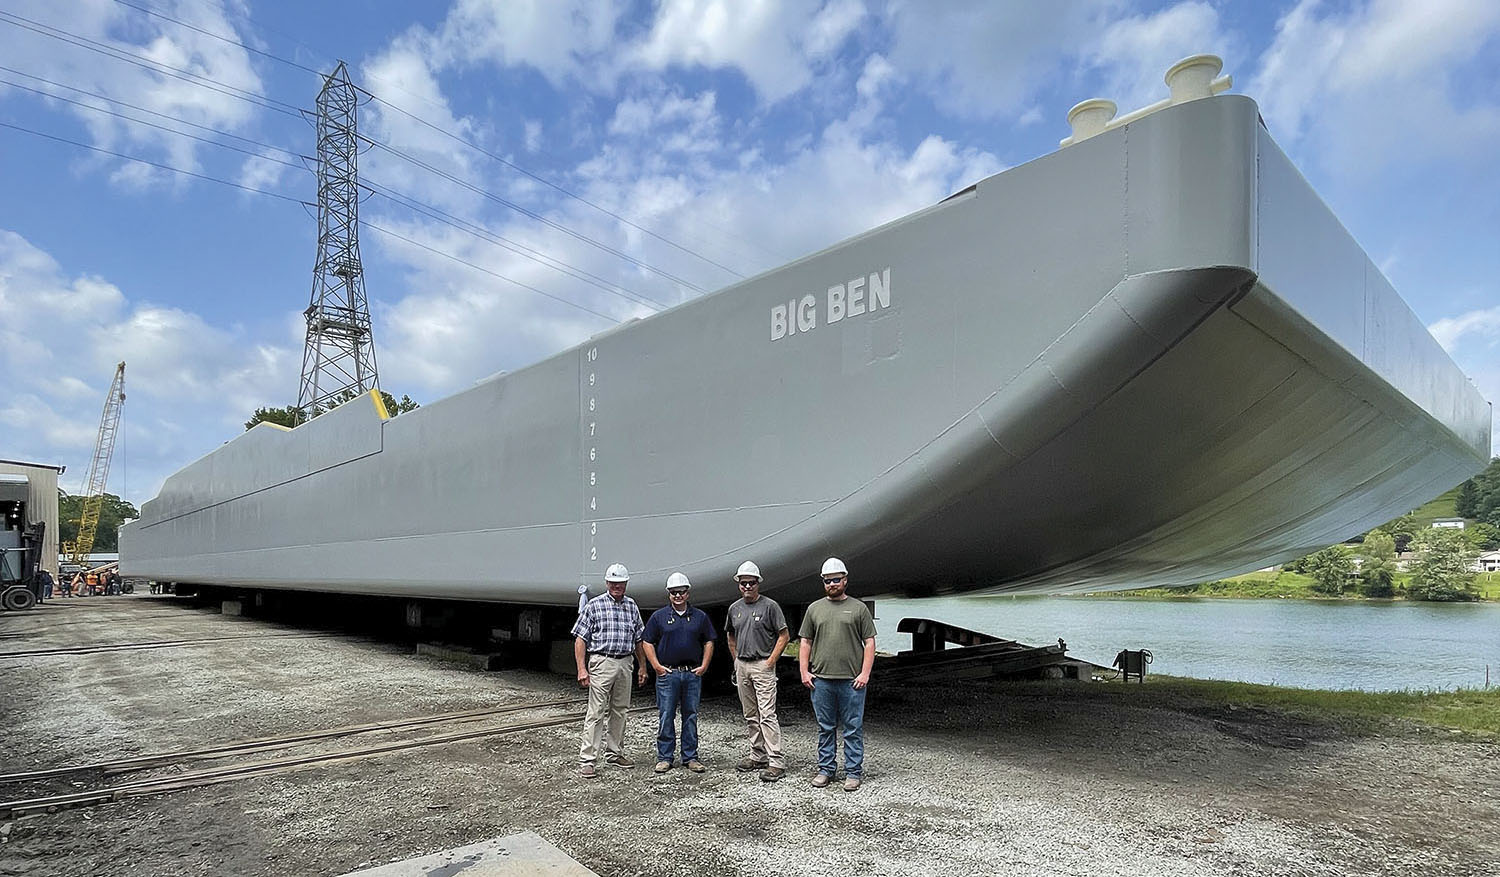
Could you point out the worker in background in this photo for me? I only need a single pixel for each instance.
(70, 585)
(757, 633)
(606, 645)
(679, 643)
(835, 657)
(44, 583)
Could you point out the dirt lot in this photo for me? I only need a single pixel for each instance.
(960, 779)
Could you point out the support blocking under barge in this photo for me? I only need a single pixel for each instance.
(1152, 358)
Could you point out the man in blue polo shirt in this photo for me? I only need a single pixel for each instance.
(679, 643)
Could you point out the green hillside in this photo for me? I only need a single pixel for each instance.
(1442, 507)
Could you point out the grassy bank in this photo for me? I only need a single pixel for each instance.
(1471, 711)
(1474, 711)
(1282, 584)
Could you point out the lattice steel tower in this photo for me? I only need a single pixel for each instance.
(339, 357)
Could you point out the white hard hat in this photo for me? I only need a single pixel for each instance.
(617, 573)
(833, 566)
(748, 568)
(678, 580)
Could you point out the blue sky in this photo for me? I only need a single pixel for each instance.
(746, 133)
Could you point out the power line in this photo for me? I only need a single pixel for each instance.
(233, 42)
(392, 195)
(367, 224)
(161, 127)
(546, 182)
(158, 67)
(446, 133)
(429, 210)
(532, 214)
(298, 201)
(105, 97)
(165, 167)
(439, 215)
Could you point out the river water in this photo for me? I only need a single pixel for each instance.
(1374, 646)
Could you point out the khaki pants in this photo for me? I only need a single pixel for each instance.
(757, 685)
(609, 698)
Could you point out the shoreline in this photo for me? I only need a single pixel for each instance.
(1287, 586)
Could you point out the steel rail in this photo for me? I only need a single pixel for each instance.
(158, 644)
(145, 762)
(182, 782)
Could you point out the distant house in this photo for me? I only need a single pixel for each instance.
(1448, 523)
(1488, 562)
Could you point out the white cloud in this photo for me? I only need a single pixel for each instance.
(59, 344)
(777, 46)
(561, 39)
(134, 34)
(1484, 323)
(1383, 83)
(985, 60)
(1136, 51)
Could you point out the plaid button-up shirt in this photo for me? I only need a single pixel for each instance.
(608, 627)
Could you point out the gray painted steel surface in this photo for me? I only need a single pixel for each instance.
(1152, 358)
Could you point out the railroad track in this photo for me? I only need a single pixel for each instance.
(157, 644)
(213, 776)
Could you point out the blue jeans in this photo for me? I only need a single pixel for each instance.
(674, 688)
(837, 702)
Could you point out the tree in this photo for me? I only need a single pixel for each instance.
(1377, 568)
(290, 416)
(1445, 569)
(1487, 494)
(112, 513)
(1483, 536)
(287, 417)
(1402, 530)
(1330, 570)
(1466, 504)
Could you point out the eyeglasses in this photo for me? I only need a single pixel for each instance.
(678, 592)
(833, 581)
(748, 584)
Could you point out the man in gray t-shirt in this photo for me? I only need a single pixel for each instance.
(757, 633)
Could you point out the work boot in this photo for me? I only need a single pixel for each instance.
(587, 771)
(821, 781)
(749, 765)
(618, 759)
(663, 766)
(851, 784)
(695, 766)
(772, 774)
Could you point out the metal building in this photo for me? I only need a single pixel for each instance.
(28, 496)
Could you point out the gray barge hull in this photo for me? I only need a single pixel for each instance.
(1152, 358)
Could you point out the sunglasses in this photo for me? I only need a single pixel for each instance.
(833, 581)
(678, 592)
(748, 584)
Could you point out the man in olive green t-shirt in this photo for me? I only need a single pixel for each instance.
(835, 657)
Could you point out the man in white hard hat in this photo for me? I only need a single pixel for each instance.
(835, 657)
(757, 634)
(606, 645)
(679, 643)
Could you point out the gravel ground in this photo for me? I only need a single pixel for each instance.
(960, 778)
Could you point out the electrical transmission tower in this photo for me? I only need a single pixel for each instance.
(339, 358)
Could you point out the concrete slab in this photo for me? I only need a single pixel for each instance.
(512, 856)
